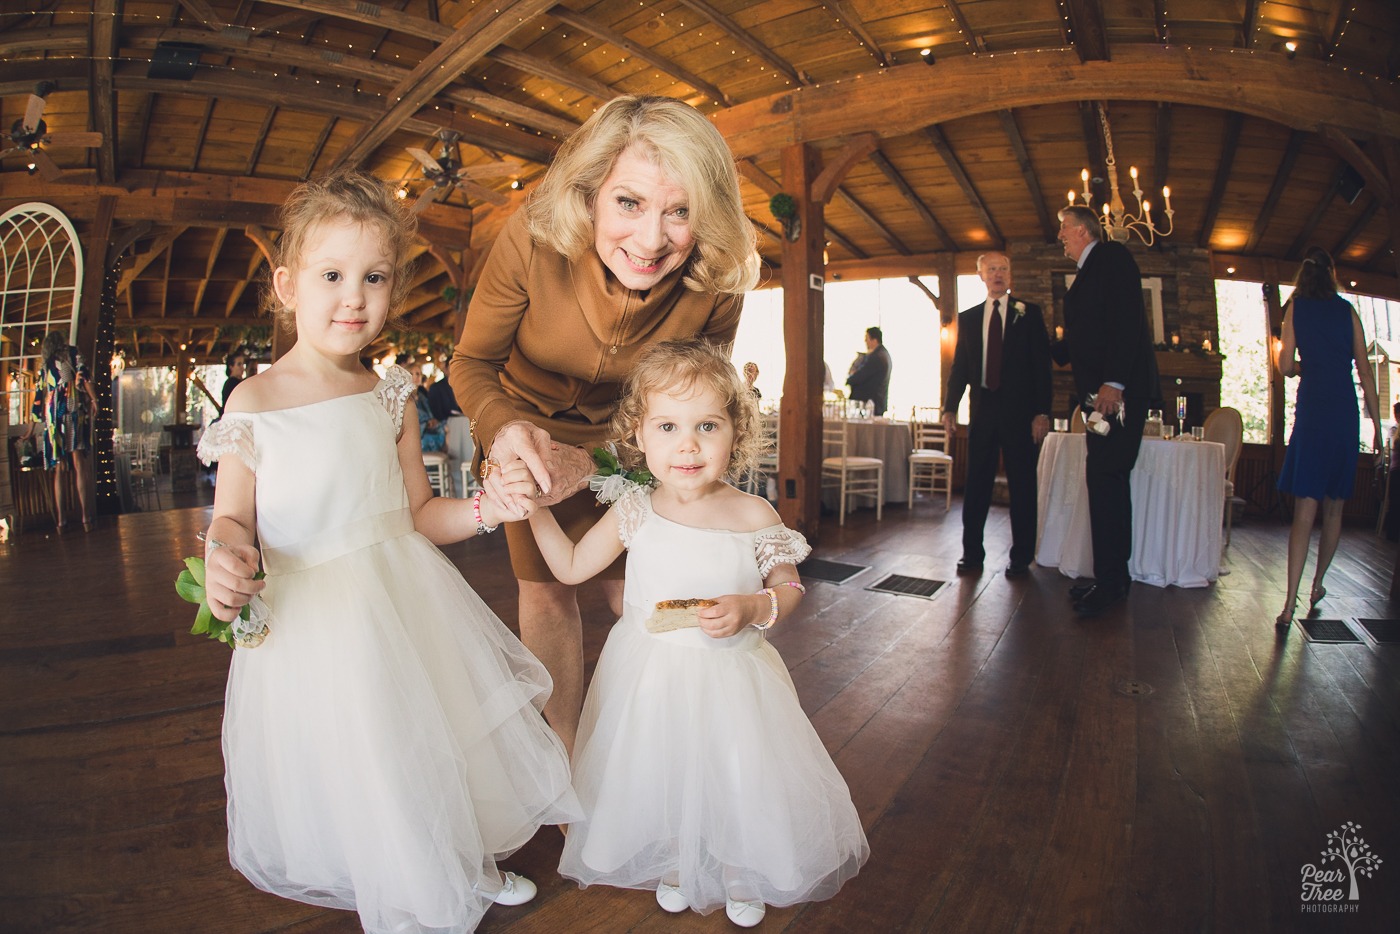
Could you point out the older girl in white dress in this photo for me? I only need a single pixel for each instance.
(699, 774)
(383, 745)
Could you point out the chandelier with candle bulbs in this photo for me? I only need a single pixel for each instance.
(1118, 224)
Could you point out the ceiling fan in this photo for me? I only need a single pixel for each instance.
(446, 172)
(30, 133)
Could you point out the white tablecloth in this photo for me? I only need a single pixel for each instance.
(1178, 505)
(890, 441)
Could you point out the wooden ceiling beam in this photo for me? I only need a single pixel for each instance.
(367, 14)
(259, 141)
(838, 165)
(1305, 233)
(1088, 32)
(204, 13)
(964, 27)
(901, 185)
(901, 100)
(1048, 225)
(873, 221)
(939, 139)
(742, 36)
(540, 68)
(846, 15)
(1347, 148)
(1268, 269)
(102, 99)
(214, 248)
(474, 36)
(139, 263)
(1224, 166)
(618, 40)
(1249, 23)
(1281, 177)
(1344, 243)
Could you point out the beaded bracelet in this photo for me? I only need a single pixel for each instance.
(794, 585)
(481, 527)
(772, 611)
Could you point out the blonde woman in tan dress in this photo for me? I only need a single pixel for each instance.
(635, 235)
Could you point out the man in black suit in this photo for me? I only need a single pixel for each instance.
(869, 378)
(1003, 360)
(1108, 346)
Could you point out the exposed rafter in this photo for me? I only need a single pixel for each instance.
(1305, 234)
(1223, 167)
(920, 208)
(1048, 224)
(1087, 29)
(847, 16)
(471, 40)
(939, 139)
(1281, 178)
(873, 221)
(742, 36)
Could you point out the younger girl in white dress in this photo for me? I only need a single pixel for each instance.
(383, 746)
(699, 775)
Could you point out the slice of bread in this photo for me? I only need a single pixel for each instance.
(676, 614)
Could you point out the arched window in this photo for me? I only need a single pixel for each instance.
(41, 284)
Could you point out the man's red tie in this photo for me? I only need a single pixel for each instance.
(994, 329)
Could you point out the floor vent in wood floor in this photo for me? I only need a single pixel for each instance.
(1384, 631)
(833, 572)
(1328, 630)
(908, 586)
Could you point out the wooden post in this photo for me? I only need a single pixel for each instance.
(947, 272)
(800, 421)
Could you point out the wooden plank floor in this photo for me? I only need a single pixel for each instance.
(1005, 779)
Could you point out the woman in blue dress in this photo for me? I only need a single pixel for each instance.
(1322, 340)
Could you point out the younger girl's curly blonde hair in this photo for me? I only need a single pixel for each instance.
(680, 367)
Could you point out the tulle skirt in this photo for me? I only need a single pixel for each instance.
(383, 746)
(695, 764)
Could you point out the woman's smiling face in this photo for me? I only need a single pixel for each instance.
(641, 222)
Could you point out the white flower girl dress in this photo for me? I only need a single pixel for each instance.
(695, 761)
(383, 746)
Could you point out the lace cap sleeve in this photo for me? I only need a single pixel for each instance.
(632, 507)
(229, 435)
(779, 544)
(393, 392)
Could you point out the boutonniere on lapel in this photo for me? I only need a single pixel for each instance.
(1020, 309)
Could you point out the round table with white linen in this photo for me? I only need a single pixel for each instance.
(1178, 491)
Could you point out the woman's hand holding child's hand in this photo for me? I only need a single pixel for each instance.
(517, 487)
(733, 613)
(228, 579)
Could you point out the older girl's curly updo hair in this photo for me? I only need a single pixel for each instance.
(354, 196)
(679, 367)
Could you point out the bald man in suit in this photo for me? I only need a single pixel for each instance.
(1108, 346)
(1002, 360)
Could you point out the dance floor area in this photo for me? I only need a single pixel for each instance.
(1172, 766)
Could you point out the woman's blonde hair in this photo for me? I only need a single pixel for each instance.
(354, 196)
(686, 366)
(1316, 276)
(689, 150)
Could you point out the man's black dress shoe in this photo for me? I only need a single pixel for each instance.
(1015, 569)
(969, 567)
(1100, 598)
(1078, 592)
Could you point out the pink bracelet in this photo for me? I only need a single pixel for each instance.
(794, 585)
(481, 527)
(772, 611)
